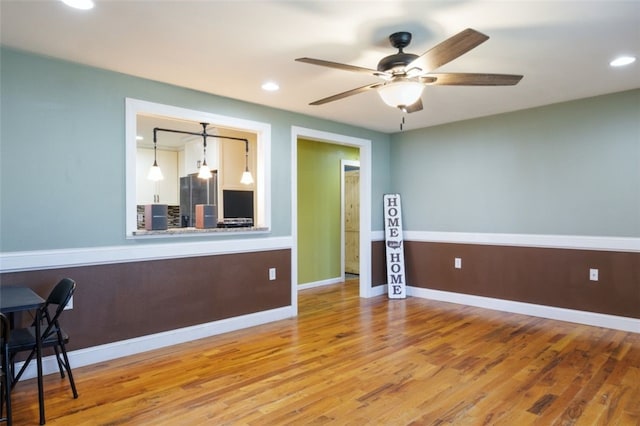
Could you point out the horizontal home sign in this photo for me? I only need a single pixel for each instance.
(394, 247)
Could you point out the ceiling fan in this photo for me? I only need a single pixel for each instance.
(405, 75)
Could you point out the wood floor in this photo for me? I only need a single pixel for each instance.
(352, 361)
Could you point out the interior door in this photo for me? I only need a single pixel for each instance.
(352, 221)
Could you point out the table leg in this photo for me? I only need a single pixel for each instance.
(39, 364)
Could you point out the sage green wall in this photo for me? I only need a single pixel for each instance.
(319, 208)
(62, 152)
(565, 169)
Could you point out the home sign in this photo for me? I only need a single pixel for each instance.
(396, 283)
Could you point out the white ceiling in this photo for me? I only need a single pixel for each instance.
(230, 48)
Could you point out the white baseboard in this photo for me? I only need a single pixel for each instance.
(110, 351)
(321, 283)
(549, 312)
(379, 290)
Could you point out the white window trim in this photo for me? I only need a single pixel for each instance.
(133, 107)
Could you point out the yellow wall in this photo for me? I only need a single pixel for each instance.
(319, 209)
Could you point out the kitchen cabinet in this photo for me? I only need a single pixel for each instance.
(232, 164)
(167, 190)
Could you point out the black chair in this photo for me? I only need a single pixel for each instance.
(24, 339)
(5, 383)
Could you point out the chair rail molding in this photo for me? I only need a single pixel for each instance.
(73, 257)
(578, 242)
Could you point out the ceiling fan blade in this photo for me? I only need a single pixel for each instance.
(448, 50)
(343, 67)
(417, 106)
(474, 79)
(346, 94)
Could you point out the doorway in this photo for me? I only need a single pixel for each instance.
(364, 146)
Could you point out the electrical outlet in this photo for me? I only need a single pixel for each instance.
(593, 274)
(272, 274)
(457, 263)
(69, 304)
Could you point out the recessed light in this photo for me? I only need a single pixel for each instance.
(79, 4)
(622, 61)
(270, 86)
(139, 138)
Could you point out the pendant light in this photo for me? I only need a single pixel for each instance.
(246, 178)
(155, 174)
(205, 171)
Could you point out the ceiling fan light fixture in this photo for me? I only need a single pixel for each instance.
(402, 93)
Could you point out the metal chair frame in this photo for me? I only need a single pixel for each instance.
(24, 339)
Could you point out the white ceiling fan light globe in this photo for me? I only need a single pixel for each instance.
(401, 93)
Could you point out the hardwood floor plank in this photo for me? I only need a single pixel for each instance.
(351, 361)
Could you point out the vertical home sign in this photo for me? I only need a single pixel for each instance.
(394, 246)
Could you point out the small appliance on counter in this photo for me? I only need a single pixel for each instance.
(206, 216)
(155, 217)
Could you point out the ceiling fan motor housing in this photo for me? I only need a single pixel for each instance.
(399, 40)
(395, 61)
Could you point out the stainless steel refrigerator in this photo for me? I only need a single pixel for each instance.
(194, 190)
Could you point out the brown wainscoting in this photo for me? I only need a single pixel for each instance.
(543, 276)
(125, 300)
(378, 264)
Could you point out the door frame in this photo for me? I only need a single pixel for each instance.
(365, 203)
(343, 254)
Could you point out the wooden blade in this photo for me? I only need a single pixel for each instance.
(473, 79)
(448, 50)
(346, 94)
(417, 106)
(344, 67)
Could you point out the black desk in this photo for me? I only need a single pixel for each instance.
(17, 299)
